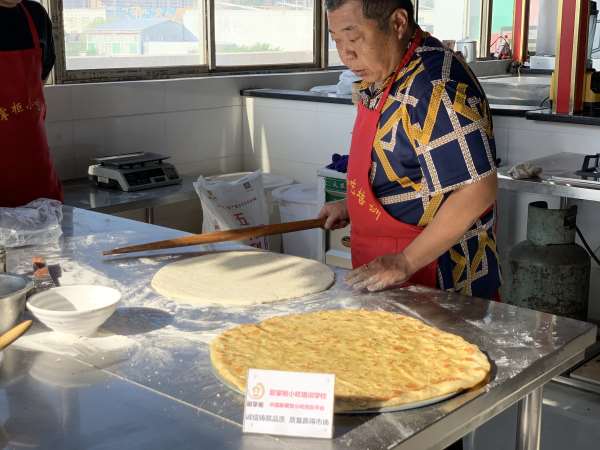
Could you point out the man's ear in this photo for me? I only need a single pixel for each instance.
(399, 23)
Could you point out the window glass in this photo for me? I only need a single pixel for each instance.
(451, 20)
(334, 56)
(109, 34)
(502, 25)
(534, 22)
(264, 32)
(542, 33)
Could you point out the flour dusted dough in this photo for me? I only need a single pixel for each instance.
(380, 359)
(241, 278)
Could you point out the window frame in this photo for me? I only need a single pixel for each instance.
(316, 63)
(64, 76)
(485, 38)
(485, 27)
(320, 51)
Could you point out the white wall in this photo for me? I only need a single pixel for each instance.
(197, 121)
(519, 140)
(296, 138)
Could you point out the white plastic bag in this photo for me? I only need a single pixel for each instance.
(229, 205)
(37, 223)
(347, 78)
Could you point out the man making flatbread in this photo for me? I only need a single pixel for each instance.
(422, 176)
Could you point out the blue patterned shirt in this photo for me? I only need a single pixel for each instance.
(435, 135)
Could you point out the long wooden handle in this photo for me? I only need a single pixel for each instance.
(241, 234)
(14, 333)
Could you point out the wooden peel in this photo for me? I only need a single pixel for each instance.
(241, 234)
(13, 334)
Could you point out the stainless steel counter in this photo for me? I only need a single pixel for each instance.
(83, 194)
(502, 104)
(553, 164)
(146, 382)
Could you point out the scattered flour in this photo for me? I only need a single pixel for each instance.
(102, 349)
(75, 273)
(149, 261)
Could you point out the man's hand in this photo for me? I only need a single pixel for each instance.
(336, 214)
(382, 273)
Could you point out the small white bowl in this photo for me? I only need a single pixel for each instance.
(78, 310)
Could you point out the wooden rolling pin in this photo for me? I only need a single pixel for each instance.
(14, 333)
(241, 234)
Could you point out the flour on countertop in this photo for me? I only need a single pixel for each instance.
(103, 348)
(74, 273)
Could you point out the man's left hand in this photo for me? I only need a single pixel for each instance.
(382, 273)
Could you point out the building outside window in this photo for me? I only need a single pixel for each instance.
(110, 34)
(264, 32)
(112, 39)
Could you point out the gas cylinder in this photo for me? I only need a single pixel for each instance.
(549, 272)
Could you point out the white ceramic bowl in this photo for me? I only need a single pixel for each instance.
(78, 310)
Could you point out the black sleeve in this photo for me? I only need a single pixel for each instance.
(44, 27)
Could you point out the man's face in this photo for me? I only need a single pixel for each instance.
(9, 3)
(362, 45)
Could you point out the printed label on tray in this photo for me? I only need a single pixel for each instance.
(289, 403)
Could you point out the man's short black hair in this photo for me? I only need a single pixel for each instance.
(379, 10)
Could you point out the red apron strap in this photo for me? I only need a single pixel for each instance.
(410, 51)
(32, 27)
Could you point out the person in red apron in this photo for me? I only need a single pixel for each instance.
(27, 172)
(421, 184)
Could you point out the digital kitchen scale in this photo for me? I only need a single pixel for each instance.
(133, 171)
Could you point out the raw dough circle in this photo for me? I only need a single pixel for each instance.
(380, 359)
(241, 278)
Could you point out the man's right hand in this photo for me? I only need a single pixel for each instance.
(336, 214)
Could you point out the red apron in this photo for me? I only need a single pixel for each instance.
(26, 171)
(376, 233)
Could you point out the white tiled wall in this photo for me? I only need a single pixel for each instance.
(198, 122)
(195, 121)
(529, 140)
(519, 140)
(296, 138)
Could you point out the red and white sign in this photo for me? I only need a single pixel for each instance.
(289, 403)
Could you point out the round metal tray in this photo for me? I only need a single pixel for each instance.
(404, 407)
(399, 408)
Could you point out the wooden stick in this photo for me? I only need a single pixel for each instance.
(14, 333)
(241, 234)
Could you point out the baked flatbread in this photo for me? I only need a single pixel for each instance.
(380, 359)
